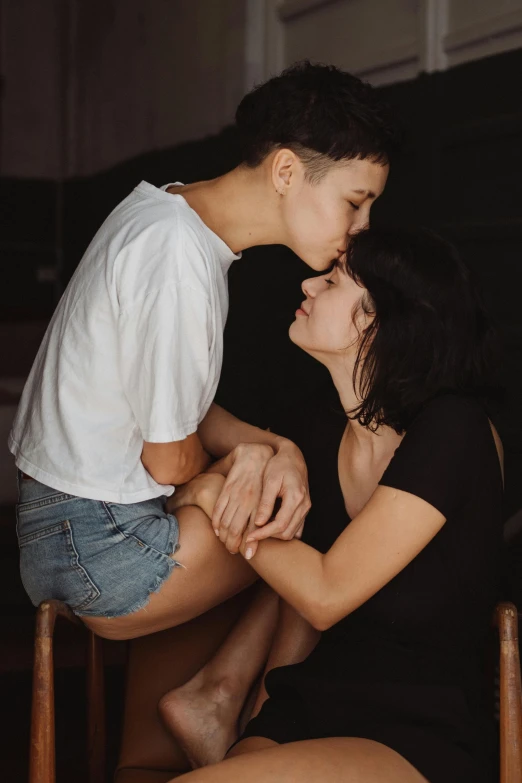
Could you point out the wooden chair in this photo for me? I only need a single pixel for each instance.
(42, 752)
(506, 620)
(42, 755)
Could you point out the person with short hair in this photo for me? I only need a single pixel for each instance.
(118, 409)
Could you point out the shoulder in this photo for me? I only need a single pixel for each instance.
(449, 427)
(160, 249)
(448, 412)
(446, 450)
(151, 222)
(447, 443)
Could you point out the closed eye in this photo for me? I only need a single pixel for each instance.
(355, 206)
(328, 281)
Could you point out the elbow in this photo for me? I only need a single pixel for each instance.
(160, 475)
(182, 474)
(320, 615)
(170, 474)
(327, 612)
(321, 622)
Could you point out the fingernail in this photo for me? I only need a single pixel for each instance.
(216, 532)
(248, 554)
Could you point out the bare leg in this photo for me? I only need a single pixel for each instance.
(203, 714)
(337, 760)
(294, 640)
(210, 576)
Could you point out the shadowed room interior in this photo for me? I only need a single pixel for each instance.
(97, 95)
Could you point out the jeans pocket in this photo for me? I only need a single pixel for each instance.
(145, 524)
(50, 567)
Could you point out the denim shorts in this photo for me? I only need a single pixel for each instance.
(102, 559)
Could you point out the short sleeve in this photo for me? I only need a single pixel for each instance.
(442, 453)
(165, 361)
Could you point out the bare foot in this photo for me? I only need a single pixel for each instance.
(202, 716)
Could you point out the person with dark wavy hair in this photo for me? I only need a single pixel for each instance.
(118, 409)
(378, 671)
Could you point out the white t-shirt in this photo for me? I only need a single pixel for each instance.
(132, 353)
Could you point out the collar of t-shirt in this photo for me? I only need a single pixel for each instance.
(225, 254)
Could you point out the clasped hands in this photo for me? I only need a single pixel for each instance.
(239, 493)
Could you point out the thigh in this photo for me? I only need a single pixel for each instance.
(337, 760)
(208, 575)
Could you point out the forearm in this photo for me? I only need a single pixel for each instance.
(220, 432)
(176, 462)
(296, 572)
(198, 461)
(378, 543)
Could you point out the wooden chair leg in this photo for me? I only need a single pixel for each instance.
(96, 710)
(42, 753)
(510, 695)
(42, 761)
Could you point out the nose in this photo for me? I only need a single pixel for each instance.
(361, 222)
(312, 286)
(305, 286)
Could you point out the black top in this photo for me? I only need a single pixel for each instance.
(409, 667)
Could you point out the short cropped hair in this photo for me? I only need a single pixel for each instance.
(321, 113)
(430, 333)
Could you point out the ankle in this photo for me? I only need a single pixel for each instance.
(226, 688)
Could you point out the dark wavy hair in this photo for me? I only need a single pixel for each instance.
(430, 333)
(320, 112)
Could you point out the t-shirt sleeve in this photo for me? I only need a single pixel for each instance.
(165, 364)
(440, 456)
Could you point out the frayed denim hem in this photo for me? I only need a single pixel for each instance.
(156, 586)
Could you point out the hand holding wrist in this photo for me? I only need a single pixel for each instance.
(240, 496)
(286, 478)
(260, 452)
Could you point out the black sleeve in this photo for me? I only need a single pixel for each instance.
(440, 457)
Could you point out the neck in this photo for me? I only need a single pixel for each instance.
(235, 206)
(384, 437)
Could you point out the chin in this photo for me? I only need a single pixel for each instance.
(297, 338)
(319, 264)
(316, 262)
(293, 333)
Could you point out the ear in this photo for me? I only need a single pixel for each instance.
(284, 165)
